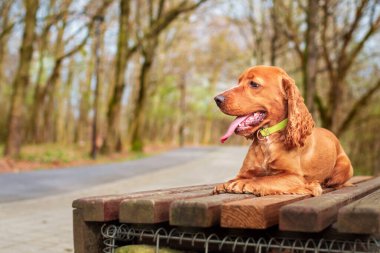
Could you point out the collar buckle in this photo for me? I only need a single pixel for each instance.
(258, 134)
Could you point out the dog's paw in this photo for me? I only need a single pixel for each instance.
(314, 188)
(242, 186)
(220, 188)
(233, 186)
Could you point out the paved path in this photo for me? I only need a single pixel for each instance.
(43, 183)
(37, 217)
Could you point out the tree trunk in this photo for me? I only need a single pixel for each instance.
(274, 38)
(4, 16)
(99, 33)
(209, 115)
(50, 104)
(64, 120)
(112, 136)
(182, 110)
(310, 62)
(21, 81)
(137, 129)
(81, 133)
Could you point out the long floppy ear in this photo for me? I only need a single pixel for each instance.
(300, 121)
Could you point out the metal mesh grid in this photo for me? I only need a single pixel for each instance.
(120, 234)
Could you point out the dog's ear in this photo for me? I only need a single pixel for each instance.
(300, 121)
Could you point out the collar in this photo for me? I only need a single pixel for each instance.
(265, 132)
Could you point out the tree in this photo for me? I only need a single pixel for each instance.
(45, 96)
(157, 23)
(341, 61)
(305, 44)
(99, 34)
(310, 54)
(148, 49)
(6, 28)
(21, 82)
(146, 41)
(112, 136)
(42, 117)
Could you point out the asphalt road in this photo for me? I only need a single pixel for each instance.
(36, 184)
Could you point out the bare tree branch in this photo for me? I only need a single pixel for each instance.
(354, 53)
(360, 103)
(291, 32)
(347, 37)
(100, 12)
(325, 50)
(171, 15)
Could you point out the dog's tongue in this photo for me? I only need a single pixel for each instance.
(232, 127)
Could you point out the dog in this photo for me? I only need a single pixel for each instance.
(288, 154)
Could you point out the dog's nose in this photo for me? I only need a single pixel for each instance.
(219, 99)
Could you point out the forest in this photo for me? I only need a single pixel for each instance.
(114, 76)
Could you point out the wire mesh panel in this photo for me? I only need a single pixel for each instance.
(119, 235)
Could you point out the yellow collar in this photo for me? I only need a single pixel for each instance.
(265, 132)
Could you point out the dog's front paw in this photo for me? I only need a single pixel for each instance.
(220, 188)
(235, 186)
(314, 188)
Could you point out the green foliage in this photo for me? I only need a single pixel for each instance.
(51, 153)
(137, 146)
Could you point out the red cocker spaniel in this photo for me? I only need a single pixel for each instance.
(288, 154)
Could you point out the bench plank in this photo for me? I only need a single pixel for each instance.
(263, 212)
(258, 213)
(315, 214)
(155, 209)
(106, 208)
(361, 216)
(359, 179)
(201, 212)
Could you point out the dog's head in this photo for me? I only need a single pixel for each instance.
(265, 96)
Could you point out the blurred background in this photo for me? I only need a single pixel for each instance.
(117, 79)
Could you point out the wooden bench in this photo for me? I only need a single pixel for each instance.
(193, 218)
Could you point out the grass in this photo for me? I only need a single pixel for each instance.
(52, 153)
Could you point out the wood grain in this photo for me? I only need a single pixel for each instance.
(201, 212)
(263, 212)
(154, 209)
(106, 208)
(258, 213)
(361, 216)
(315, 214)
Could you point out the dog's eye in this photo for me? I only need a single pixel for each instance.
(254, 84)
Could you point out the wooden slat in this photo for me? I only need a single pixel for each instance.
(106, 208)
(263, 212)
(315, 214)
(201, 212)
(359, 179)
(255, 213)
(361, 216)
(155, 209)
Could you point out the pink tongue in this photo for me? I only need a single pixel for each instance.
(232, 127)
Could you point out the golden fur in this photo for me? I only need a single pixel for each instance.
(298, 160)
